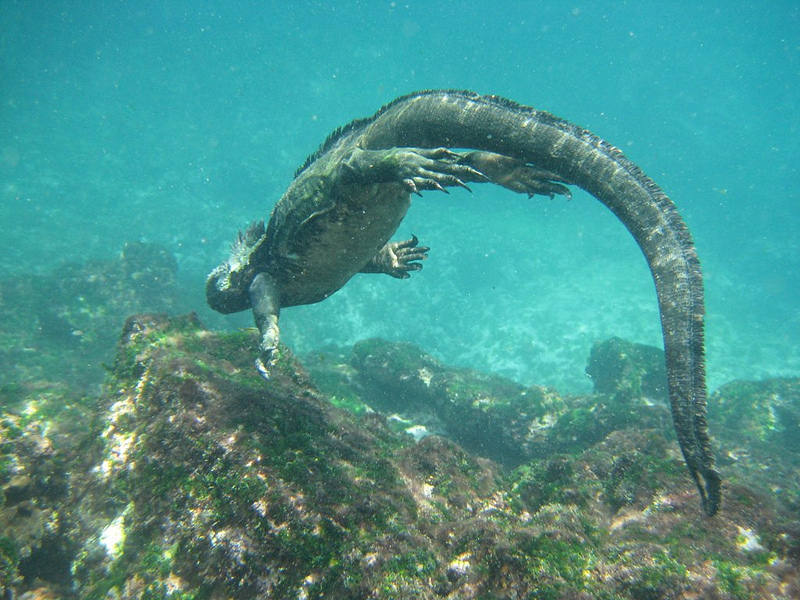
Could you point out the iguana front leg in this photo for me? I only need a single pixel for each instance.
(265, 302)
(398, 258)
(417, 169)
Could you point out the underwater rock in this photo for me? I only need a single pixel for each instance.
(63, 326)
(33, 490)
(620, 367)
(489, 415)
(192, 477)
(247, 489)
(757, 426)
(759, 414)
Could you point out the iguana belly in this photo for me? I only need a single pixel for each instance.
(335, 244)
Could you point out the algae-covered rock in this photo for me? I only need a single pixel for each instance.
(620, 367)
(759, 414)
(63, 326)
(193, 477)
(57, 332)
(757, 424)
(244, 488)
(34, 521)
(491, 415)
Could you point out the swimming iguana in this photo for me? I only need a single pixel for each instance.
(349, 197)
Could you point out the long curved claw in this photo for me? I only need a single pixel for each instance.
(545, 188)
(267, 359)
(411, 186)
(409, 243)
(431, 179)
(262, 368)
(517, 175)
(417, 169)
(404, 257)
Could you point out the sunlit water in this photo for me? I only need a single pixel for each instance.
(178, 123)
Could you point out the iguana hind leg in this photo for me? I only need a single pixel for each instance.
(516, 175)
(419, 169)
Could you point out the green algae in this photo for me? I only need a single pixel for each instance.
(9, 559)
(419, 563)
(761, 412)
(732, 579)
(543, 482)
(351, 404)
(557, 564)
(292, 462)
(238, 486)
(617, 366)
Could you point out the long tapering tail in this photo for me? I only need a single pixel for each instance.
(458, 119)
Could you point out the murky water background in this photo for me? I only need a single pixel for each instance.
(180, 122)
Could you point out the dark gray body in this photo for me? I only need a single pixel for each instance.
(336, 218)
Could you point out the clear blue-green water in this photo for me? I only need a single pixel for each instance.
(180, 122)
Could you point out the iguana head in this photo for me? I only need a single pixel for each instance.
(228, 286)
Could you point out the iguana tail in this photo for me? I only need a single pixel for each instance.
(458, 119)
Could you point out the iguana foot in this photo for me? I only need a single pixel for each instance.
(425, 169)
(398, 259)
(516, 175)
(417, 169)
(268, 353)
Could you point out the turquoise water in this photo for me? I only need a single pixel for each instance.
(180, 122)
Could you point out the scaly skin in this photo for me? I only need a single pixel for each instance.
(336, 218)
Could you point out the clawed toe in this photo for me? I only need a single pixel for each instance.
(434, 169)
(406, 256)
(398, 259)
(265, 362)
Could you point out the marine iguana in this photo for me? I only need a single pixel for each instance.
(348, 199)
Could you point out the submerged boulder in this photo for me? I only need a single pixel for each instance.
(244, 488)
(757, 425)
(619, 367)
(762, 415)
(489, 415)
(62, 327)
(192, 477)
